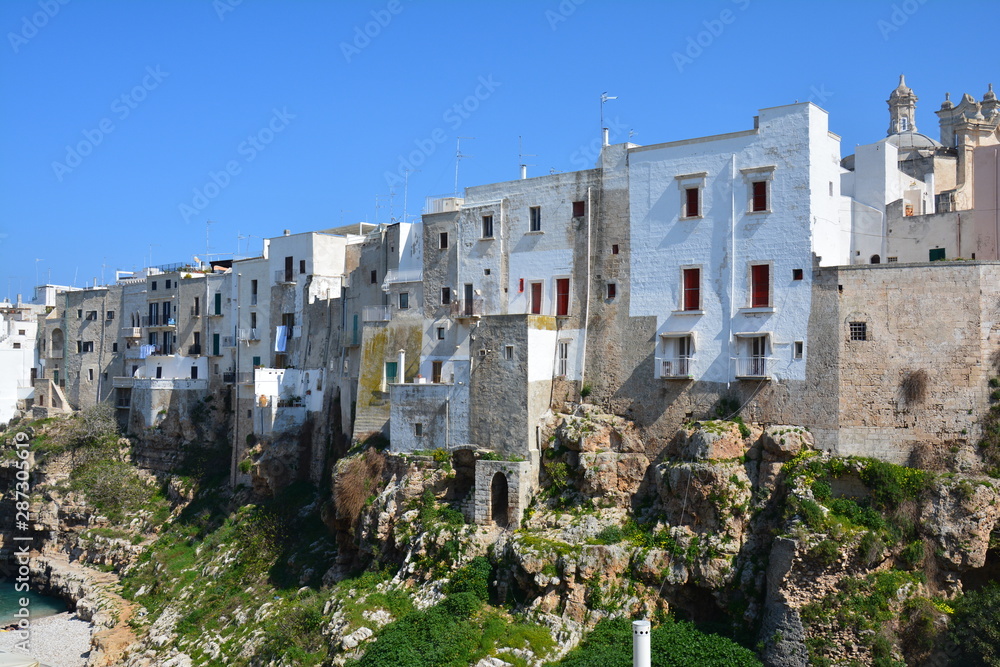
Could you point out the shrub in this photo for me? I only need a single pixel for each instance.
(821, 490)
(826, 552)
(245, 466)
(673, 644)
(870, 548)
(473, 578)
(462, 605)
(355, 482)
(586, 390)
(610, 535)
(892, 484)
(974, 626)
(913, 555)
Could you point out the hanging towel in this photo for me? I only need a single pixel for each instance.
(280, 338)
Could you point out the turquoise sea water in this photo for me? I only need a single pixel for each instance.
(39, 607)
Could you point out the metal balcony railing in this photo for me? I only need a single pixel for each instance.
(676, 367)
(397, 276)
(248, 334)
(467, 308)
(753, 367)
(131, 332)
(148, 321)
(376, 313)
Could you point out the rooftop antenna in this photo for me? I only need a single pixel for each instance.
(458, 157)
(632, 133)
(378, 206)
(520, 158)
(406, 188)
(604, 98)
(208, 252)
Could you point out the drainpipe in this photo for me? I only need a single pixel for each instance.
(586, 312)
(640, 644)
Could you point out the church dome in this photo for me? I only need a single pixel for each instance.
(911, 143)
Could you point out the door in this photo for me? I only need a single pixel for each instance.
(758, 356)
(215, 344)
(469, 293)
(536, 298)
(218, 303)
(289, 264)
(436, 371)
(391, 368)
(683, 355)
(500, 499)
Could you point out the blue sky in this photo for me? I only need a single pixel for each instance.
(128, 124)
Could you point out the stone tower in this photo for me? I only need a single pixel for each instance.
(902, 109)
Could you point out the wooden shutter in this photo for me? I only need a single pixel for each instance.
(760, 195)
(692, 289)
(562, 296)
(760, 286)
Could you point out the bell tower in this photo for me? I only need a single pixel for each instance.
(902, 109)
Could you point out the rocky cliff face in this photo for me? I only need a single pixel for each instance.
(810, 559)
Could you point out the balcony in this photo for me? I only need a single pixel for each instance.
(376, 313)
(676, 368)
(216, 313)
(243, 377)
(195, 312)
(284, 277)
(134, 352)
(54, 354)
(122, 382)
(194, 350)
(467, 308)
(161, 322)
(131, 332)
(248, 334)
(753, 368)
(396, 276)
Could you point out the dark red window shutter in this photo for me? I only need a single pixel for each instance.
(760, 196)
(691, 209)
(760, 275)
(562, 296)
(692, 289)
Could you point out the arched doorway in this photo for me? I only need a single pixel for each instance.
(499, 499)
(876, 259)
(57, 341)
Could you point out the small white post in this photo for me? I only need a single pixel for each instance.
(605, 141)
(640, 644)
(400, 373)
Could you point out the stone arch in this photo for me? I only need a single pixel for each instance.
(58, 340)
(500, 500)
(875, 259)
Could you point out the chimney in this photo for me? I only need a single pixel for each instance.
(640, 644)
(524, 171)
(400, 372)
(288, 232)
(605, 136)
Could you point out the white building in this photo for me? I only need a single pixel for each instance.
(18, 362)
(725, 231)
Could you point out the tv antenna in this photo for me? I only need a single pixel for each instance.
(406, 188)
(458, 158)
(520, 158)
(604, 98)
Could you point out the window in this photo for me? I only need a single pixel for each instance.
(859, 330)
(486, 272)
(692, 208)
(440, 333)
(110, 315)
(904, 124)
(253, 293)
(114, 347)
(256, 361)
(614, 249)
(890, 259)
(796, 274)
(289, 264)
(831, 188)
(562, 297)
(443, 240)
(404, 300)
(797, 350)
(302, 266)
(390, 371)
(79, 314)
(758, 200)
(760, 286)
(579, 209)
(436, 367)
(88, 346)
(445, 296)
(194, 372)
(563, 361)
(91, 315)
(288, 321)
(21, 332)
(487, 226)
(218, 303)
(692, 289)
(159, 371)
(612, 290)
(936, 254)
(418, 429)
(253, 321)
(152, 286)
(17, 346)
(536, 298)
(535, 219)
(90, 374)
(508, 352)
(875, 259)
(167, 285)
(373, 277)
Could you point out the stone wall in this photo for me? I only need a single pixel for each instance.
(521, 483)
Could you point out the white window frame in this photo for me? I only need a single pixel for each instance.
(686, 182)
(492, 229)
(753, 175)
(750, 308)
(701, 292)
(562, 357)
(535, 219)
(681, 367)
